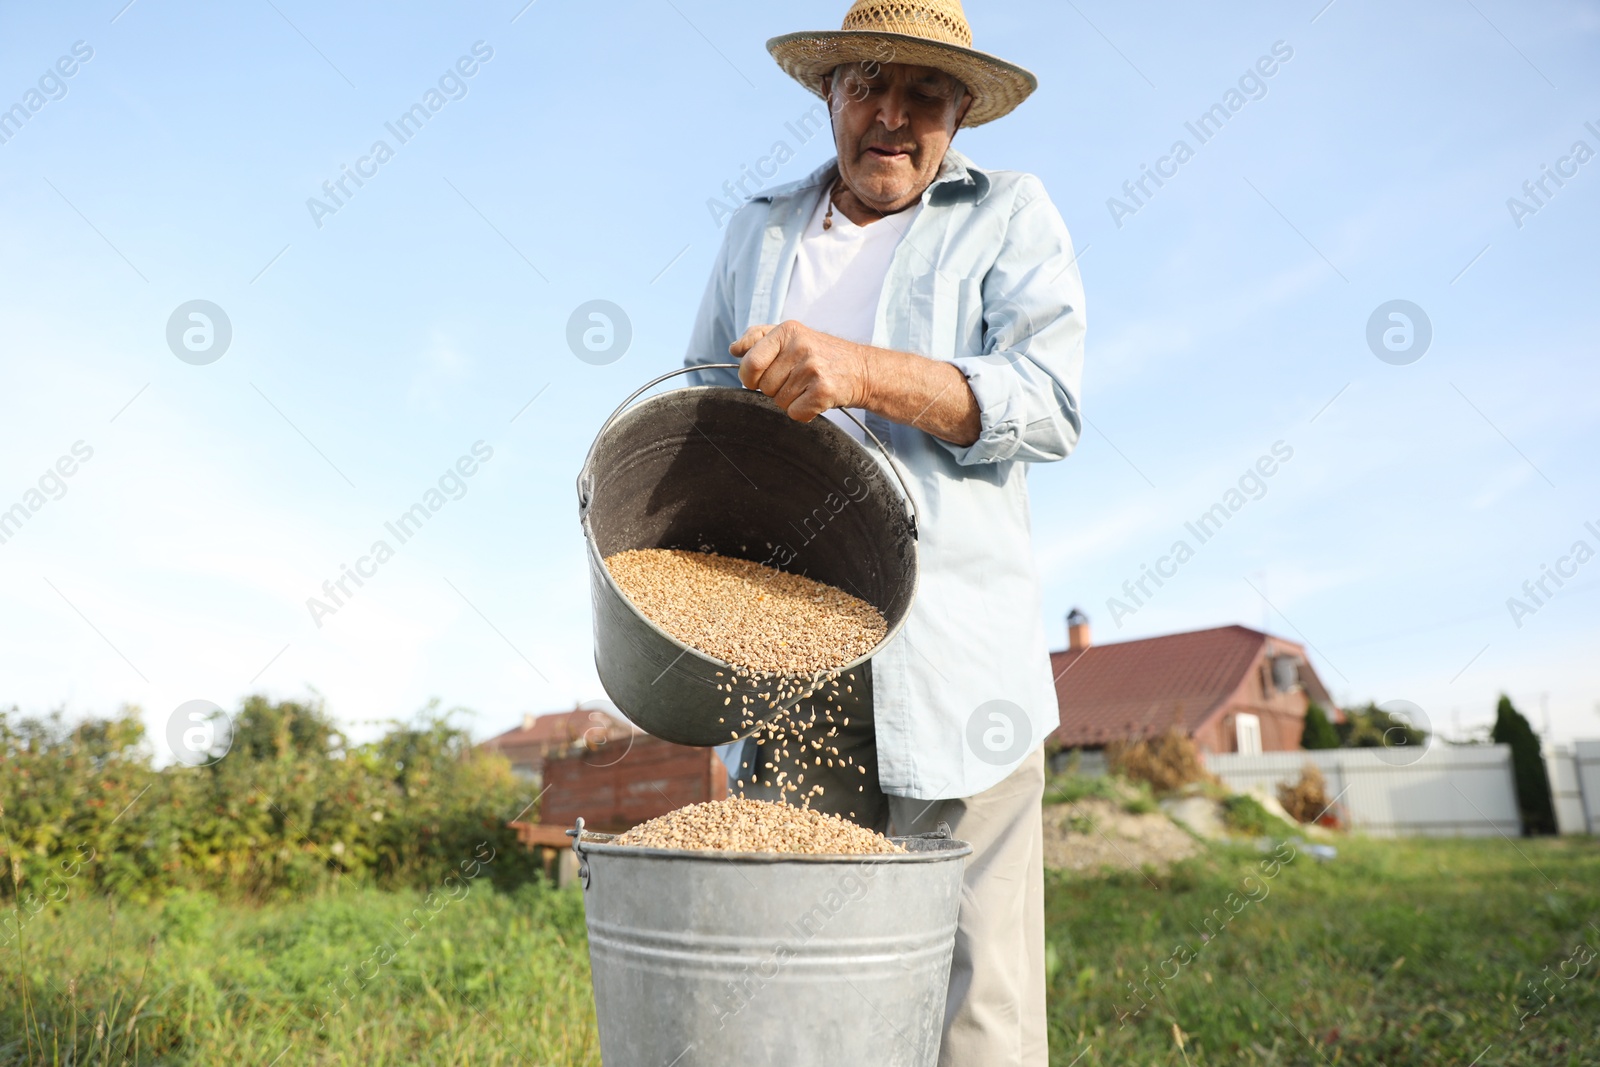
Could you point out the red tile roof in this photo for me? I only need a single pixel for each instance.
(559, 730)
(1142, 688)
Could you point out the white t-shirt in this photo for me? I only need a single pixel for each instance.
(838, 278)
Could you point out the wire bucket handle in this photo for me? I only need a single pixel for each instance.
(585, 477)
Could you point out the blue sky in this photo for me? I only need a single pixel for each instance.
(1228, 312)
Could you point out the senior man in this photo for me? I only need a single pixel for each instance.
(941, 303)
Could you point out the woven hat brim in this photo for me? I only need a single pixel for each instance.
(997, 87)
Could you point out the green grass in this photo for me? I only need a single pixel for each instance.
(484, 979)
(1070, 788)
(1405, 952)
(1395, 952)
(1245, 814)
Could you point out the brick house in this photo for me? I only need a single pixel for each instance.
(592, 764)
(555, 734)
(1230, 688)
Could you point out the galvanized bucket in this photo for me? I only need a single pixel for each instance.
(739, 958)
(725, 470)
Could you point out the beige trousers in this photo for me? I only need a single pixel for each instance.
(995, 1009)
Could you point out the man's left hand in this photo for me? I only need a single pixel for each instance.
(804, 371)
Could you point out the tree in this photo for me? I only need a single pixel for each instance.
(1527, 768)
(1369, 726)
(1318, 732)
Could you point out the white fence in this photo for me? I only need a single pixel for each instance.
(1575, 786)
(1448, 791)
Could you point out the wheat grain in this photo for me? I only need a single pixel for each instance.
(740, 825)
(747, 614)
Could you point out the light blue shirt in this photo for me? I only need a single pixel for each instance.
(985, 278)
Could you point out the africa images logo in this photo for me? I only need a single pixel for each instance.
(1399, 332)
(199, 332)
(599, 332)
(199, 732)
(999, 733)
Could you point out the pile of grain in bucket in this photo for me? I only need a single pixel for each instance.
(745, 613)
(740, 825)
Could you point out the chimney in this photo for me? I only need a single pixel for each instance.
(527, 720)
(1077, 630)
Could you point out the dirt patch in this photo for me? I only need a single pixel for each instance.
(1094, 833)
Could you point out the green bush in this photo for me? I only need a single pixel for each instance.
(1369, 726)
(1245, 814)
(292, 807)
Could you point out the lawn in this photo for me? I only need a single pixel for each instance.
(1393, 953)
(355, 977)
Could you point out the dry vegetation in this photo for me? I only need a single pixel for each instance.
(1306, 797)
(1167, 763)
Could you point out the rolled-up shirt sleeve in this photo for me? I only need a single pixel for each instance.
(714, 326)
(1028, 379)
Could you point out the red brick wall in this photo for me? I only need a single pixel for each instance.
(618, 787)
(1280, 728)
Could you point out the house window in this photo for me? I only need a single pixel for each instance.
(1285, 673)
(1247, 728)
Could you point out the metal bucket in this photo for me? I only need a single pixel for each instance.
(725, 470)
(739, 958)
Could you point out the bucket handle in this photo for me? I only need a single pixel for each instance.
(584, 476)
(577, 850)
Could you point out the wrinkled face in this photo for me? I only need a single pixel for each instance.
(892, 124)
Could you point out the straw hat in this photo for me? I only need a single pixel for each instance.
(924, 33)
